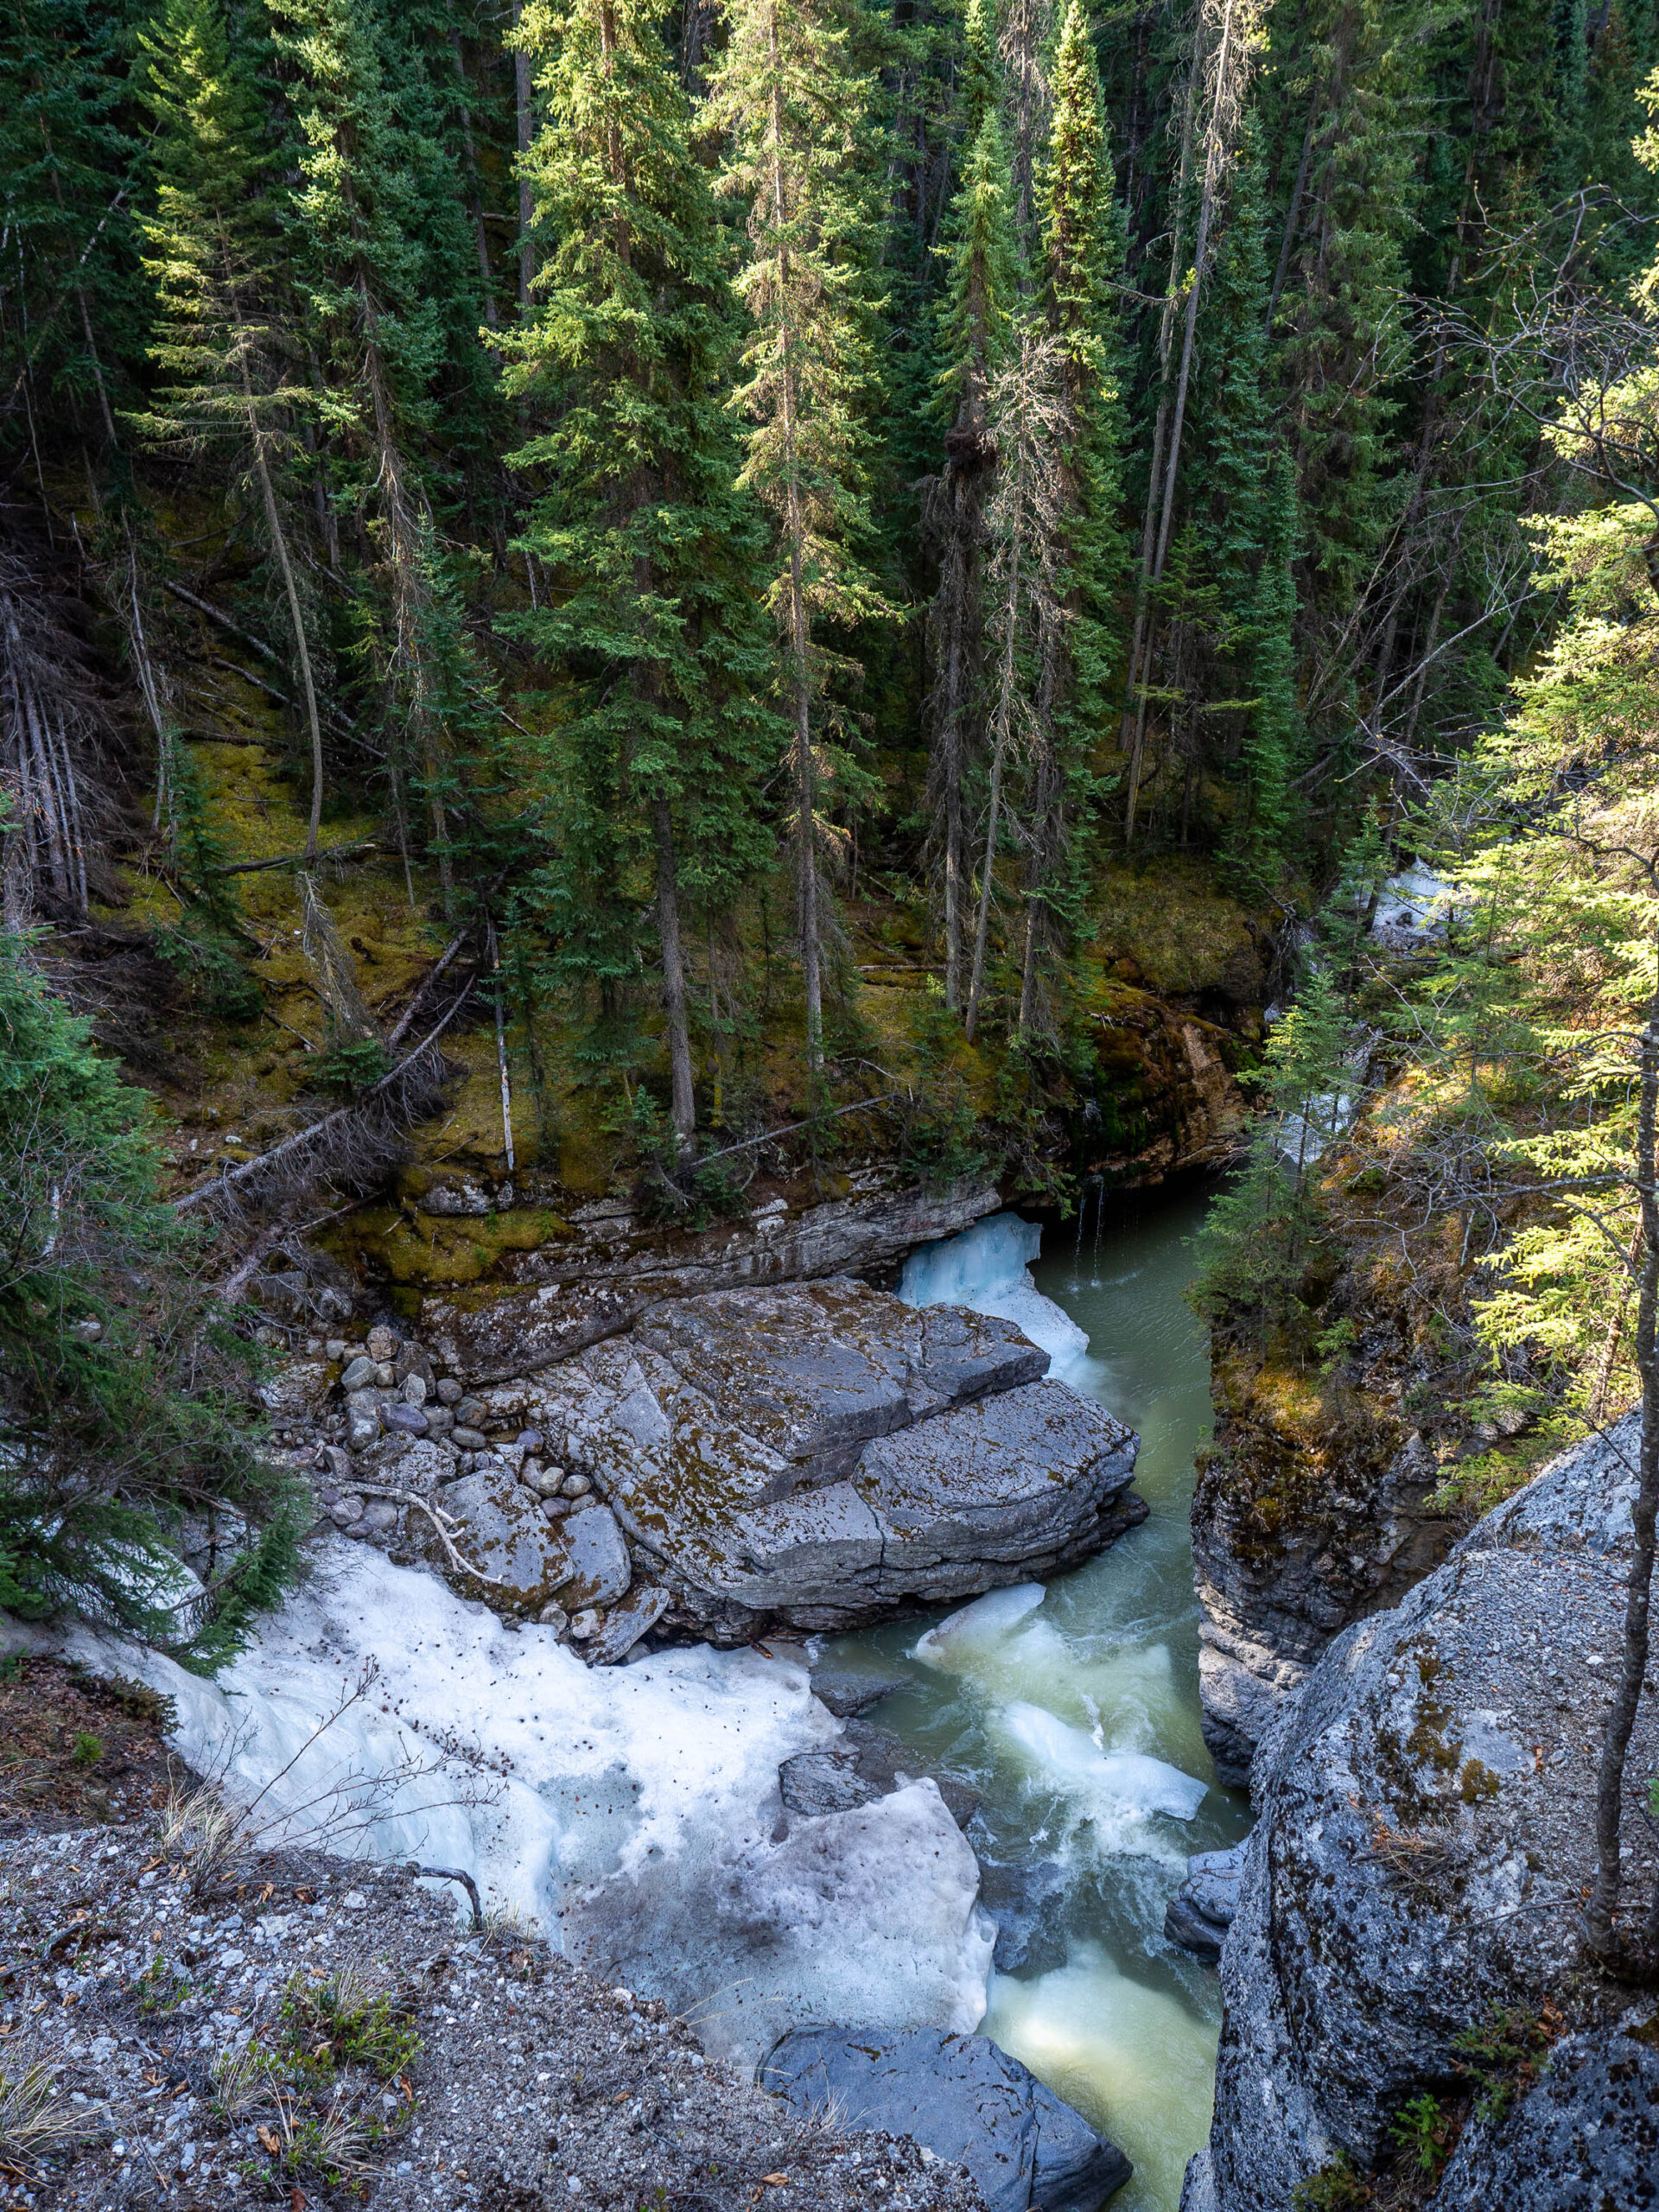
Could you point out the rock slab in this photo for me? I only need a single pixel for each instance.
(1425, 1836)
(960, 2097)
(823, 1456)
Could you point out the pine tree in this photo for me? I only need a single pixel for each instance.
(975, 325)
(375, 220)
(1082, 262)
(793, 109)
(656, 558)
(74, 307)
(212, 254)
(126, 1404)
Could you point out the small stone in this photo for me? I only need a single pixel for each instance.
(624, 1625)
(547, 1480)
(87, 1332)
(406, 1420)
(336, 1348)
(384, 1374)
(531, 1438)
(555, 1508)
(383, 1342)
(354, 1900)
(585, 1626)
(439, 1419)
(556, 1617)
(466, 1439)
(577, 1485)
(448, 1391)
(600, 1569)
(530, 1473)
(414, 1389)
(362, 1423)
(471, 1412)
(313, 1346)
(380, 1515)
(358, 1375)
(346, 1510)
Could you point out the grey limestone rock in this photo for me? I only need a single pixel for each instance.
(601, 1570)
(1203, 1909)
(847, 1690)
(1424, 1832)
(1584, 2139)
(616, 1268)
(963, 2099)
(822, 1455)
(824, 1781)
(503, 1532)
(627, 1622)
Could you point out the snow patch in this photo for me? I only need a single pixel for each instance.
(631, 1813)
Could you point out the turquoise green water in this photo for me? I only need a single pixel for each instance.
(1036, 1713)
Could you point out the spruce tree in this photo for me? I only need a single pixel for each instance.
(213, 261)
(975, 324)
(1082, 249)
(793, 109)
(374, 221)
(656, 558)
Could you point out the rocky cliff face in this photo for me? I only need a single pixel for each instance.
(1407, 1919)
(1310, 1512)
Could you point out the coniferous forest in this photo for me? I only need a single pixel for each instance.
(685, 511)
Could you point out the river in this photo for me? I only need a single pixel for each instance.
(1073, 1712)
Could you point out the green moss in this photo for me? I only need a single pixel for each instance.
(422, 1250)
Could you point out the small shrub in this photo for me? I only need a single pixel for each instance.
(1423, 2133)
(1502, 2054)
(334, 2023)
(88, 1748)
(1335, 2188)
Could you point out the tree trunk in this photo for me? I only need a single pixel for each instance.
(1600, 1916)
(522, 106)
(682, 1106)
(279, 546)
(485, 275)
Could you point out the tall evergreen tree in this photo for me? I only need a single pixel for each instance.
(657, 627)
(794, 109)
(1082, 262)
(974, 323)
(213, 257)
(373, 206)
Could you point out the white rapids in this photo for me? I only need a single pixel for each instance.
(1073, 1709)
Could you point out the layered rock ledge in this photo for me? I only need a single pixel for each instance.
(1408, 1915)
(811, 1456)
(823, 1456)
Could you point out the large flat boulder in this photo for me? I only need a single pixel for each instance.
(822, 1455)
(960, 2097)
(497, 1527)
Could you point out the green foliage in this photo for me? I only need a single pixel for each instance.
(329, 2025)
(1264, 1226)
(1503, 2052)
(941, 1139)
(87, 1749)
(1338, 2187)
(126, 1401)
(351, 1064)
(1423, 2131)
